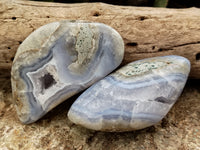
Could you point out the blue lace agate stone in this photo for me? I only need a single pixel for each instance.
(136, 96)
(59, 60)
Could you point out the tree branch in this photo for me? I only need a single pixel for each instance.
(147, 32)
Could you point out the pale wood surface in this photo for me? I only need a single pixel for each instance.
(147, 32)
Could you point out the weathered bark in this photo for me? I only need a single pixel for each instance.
(147, 32)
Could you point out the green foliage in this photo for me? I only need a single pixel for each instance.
(45, 0)
(160, 3)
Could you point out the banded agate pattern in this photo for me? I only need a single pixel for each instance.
(59, 60)
(134, 97)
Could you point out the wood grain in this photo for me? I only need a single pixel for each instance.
(147, 32)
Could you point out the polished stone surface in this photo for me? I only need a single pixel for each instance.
(136, 96)
(59, 60)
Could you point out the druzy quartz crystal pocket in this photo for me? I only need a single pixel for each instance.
(58, 60)
(136, 96)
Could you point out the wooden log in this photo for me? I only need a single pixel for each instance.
(147, 32)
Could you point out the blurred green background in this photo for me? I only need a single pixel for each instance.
(150, 3)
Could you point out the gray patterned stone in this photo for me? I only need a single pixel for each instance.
(59, 60)
(136, 96)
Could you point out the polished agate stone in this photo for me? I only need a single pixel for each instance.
(59, 60)
(136, 96)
